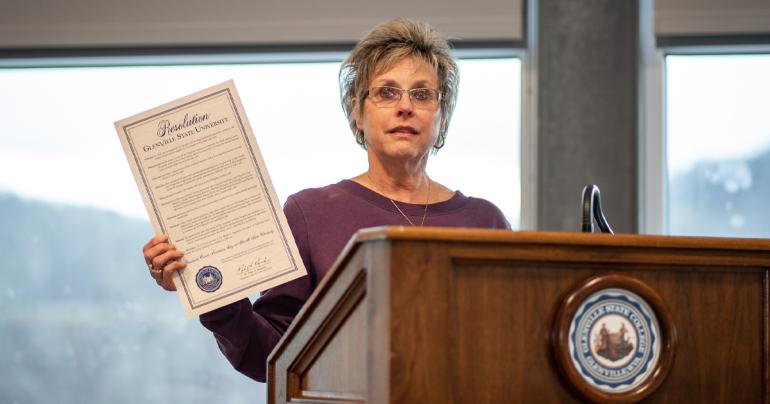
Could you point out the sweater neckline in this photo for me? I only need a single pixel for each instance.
(457, 200)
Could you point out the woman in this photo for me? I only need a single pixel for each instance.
(398, 90)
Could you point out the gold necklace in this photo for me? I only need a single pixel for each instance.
(425, 211)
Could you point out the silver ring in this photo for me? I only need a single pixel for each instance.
(152, 269)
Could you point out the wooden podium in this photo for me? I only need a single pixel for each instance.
(436, 315)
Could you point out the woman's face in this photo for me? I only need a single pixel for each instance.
(402, 131)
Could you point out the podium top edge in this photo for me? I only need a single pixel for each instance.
(472, 235)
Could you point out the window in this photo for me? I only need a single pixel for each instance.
(80, 315)
(718, 145)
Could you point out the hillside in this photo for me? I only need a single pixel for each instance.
(81, 321)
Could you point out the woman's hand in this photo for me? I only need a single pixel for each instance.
(163, 259)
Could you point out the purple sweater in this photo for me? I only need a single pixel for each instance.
(322, 221)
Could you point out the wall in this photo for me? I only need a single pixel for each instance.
(83, 23)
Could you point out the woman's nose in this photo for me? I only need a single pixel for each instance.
(405, 105)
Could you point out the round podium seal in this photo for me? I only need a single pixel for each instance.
(209, 279)
(614, 339)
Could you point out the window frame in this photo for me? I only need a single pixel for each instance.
(653, 156)
(43, 59)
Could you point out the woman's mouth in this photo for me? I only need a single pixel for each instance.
(403, 130)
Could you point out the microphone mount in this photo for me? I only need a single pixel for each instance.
(592, 209)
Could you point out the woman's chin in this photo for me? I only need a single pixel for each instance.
(404, 152)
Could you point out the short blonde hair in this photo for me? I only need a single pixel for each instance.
(387, 44)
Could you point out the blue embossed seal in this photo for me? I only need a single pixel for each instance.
(614, 340)
(209, 279)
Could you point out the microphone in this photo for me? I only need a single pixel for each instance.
(592, 209)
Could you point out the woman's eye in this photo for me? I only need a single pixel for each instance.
(421, 95)
(388, 93)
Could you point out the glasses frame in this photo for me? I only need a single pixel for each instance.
(401, 91)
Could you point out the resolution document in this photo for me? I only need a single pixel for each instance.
(204, 183)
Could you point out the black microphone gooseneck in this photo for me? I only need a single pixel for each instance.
(592, 208)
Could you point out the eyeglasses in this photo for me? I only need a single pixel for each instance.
(386, 96)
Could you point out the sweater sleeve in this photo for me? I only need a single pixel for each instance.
(246, 333)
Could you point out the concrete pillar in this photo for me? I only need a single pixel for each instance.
(587, 110)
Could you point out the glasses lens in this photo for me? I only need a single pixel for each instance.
(424, 95)
(388, 93)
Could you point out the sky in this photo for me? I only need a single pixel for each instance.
(717, 108)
